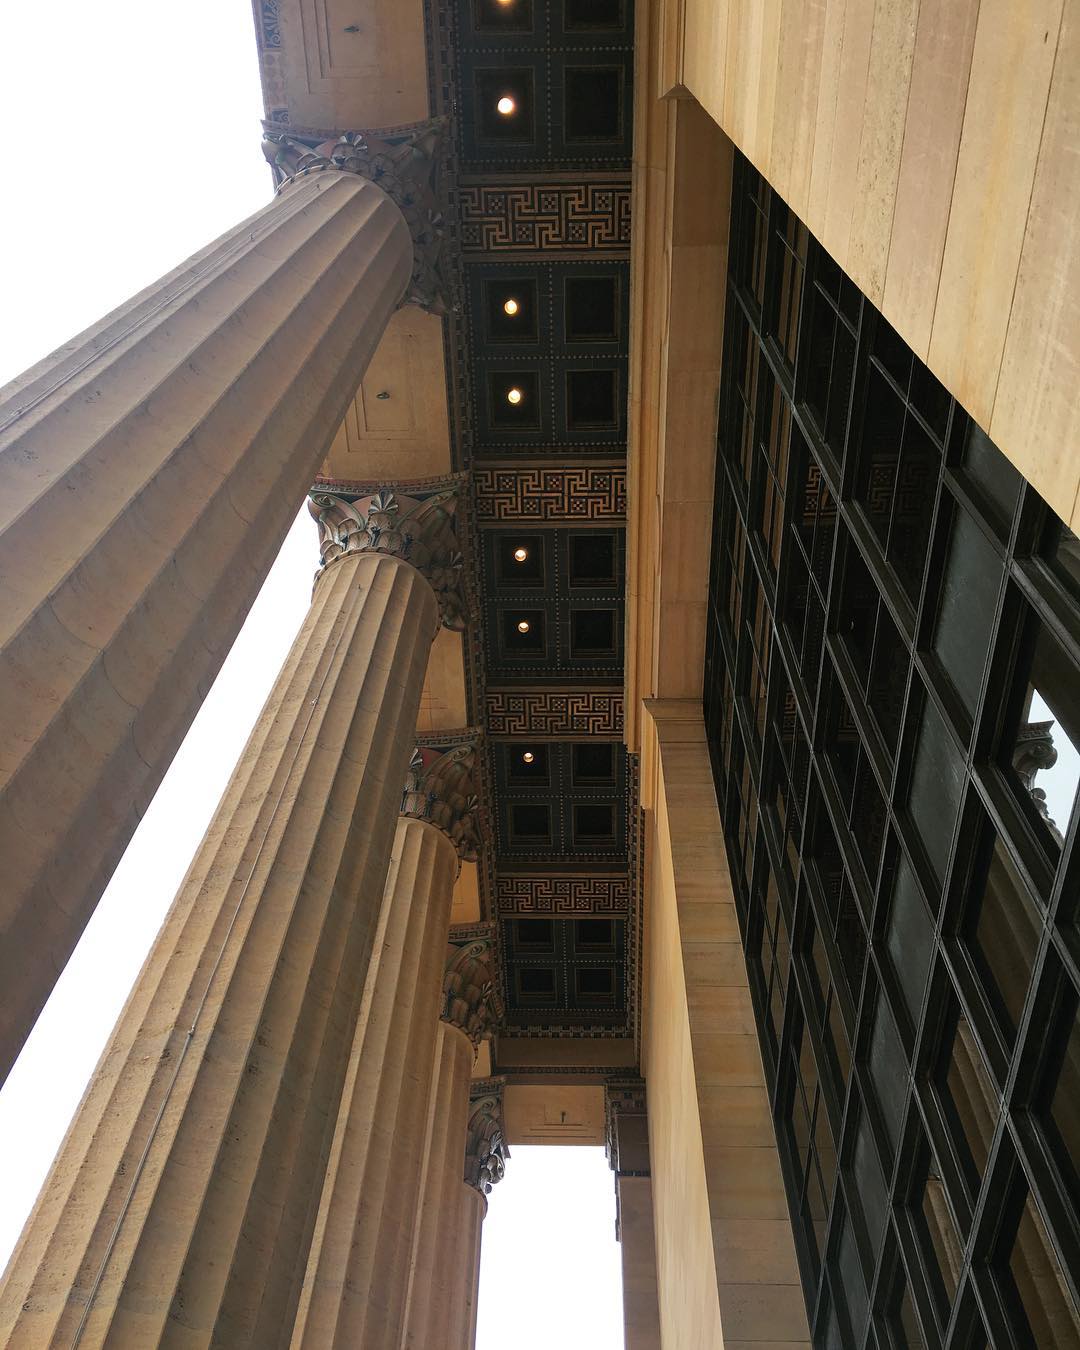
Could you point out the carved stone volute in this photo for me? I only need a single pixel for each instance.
(440, 787)
(486, 1151)
(403, 161)
(419, 529)
(470, 998)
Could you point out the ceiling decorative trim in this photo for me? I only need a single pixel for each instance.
(562, 895)
(553, 714)
(537, 495)
(510, 218)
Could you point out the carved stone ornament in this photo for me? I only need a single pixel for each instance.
(470, 999)
(486, 1151)
(440, 787)
(404, 162)
(418, 529)
(1035, 751)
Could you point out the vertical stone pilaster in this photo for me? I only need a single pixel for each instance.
(149, 471)
(627, 1141)
(184, 1199)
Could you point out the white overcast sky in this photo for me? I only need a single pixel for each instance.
(133, 132)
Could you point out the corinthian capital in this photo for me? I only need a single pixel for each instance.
(440, 787)
(419, 529)
(404, 162)
(486, 1151)
(470, 999)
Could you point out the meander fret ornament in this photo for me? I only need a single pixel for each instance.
(440, 787)
(420, 530)
(486, 1151)
(470, 998)
(405, 162)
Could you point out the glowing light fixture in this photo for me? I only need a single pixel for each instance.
(513, 396)
(523, 625)
(506, 105)
(510, 307)
(528, 757)
(520, 554)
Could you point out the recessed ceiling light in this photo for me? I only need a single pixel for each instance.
(523, 625)
(506, 105)
(514, 396)
(510, 307)
(520, 554)
(528, 757)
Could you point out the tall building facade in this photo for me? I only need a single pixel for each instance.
(681, 750)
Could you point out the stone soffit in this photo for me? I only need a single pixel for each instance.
(415, 419)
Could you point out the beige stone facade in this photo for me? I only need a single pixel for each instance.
(350, 1011)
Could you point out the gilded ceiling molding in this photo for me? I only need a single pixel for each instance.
(486, 1151)
(420, 530)
(405, 162)
(441, 788)
(471, 999)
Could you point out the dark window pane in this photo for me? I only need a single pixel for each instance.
(1046, 1312)
(993, 479)
(1003, 930)
(909, 939)
(966, 611)
(937, 782)
(888, 1072)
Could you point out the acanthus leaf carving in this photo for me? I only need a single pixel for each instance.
(405, 162)
(418, 529)
(440, 787)
(470, 997)
(486, 1150)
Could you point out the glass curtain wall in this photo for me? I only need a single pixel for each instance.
(892, 699)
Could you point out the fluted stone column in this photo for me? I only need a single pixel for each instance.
(440, 1253)
(183, 1200)
(149, 471)
(466, 1295)
(485, 1162)
(356, 1280)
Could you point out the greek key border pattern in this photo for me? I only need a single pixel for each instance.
(536, 495)
(534, 217)
(552, 715)
(562, 895)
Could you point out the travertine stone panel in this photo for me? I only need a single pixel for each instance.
(715, 1167)
(357, 1273)
(149, 471)
(183, 1201)
(930, 145)
(438, 1255)
(637, 1245)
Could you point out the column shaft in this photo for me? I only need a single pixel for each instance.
(437, 1256)
(357, 1273)
(149, 471)
(185, 1195)
(637, 1244)
(466, 1294)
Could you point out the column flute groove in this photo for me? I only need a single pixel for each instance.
(149, 471)
(180, 1203)
(355, 1285)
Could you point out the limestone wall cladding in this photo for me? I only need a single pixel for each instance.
(931, 147)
